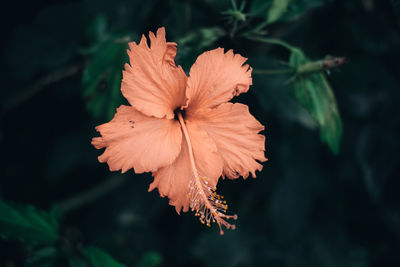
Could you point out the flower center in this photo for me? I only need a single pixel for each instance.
(204, 200)
(177, 111)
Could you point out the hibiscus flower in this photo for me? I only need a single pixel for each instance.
(183, 129)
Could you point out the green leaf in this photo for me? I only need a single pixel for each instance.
(28, 224)
(299, 8)
(45, 257)
(297, 58)
(98, 258)
(150, 259)
(202, 38)
(277, 9)
(97, 30)
(102, 78)
(282, 10)
(332, 130)
(315, 94)
(259, 8)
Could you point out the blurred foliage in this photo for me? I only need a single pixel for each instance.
(150, 259)
(103, 74)
(28, 224)
(276, 10)
(315, 94)
(286, 10)
(313, 91)
(39, 231)
(97, 257)
(61, 71)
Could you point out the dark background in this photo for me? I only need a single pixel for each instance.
(306, 208)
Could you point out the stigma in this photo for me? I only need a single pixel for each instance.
(209, 206)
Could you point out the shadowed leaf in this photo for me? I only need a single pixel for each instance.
(277, 9)
(150, 259)
(28, 224)
(97, 30)
(98, 258)
(102, 78)
(299, 8)
(45, 257)
(315, 94)
(282, 10)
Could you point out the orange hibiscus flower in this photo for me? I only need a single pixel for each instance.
(183, 129)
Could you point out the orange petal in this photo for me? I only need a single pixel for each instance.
(173, 180)
(133, 140)
(215, 78)
(235, 132)
(207, 159)
(152, 83)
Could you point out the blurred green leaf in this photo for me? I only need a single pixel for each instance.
(235, 12)
(98, 258)
(234, 16)
(315, 94)
(282, 10)
(299, 8)
(28, 224)
(202, 38)
(45, 257)
(150, 259)
(259, 8)
(277, 9)
(102, 78)
(97, 30)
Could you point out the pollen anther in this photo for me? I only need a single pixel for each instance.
(203, 199)
(210, 207)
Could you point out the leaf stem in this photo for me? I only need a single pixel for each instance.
(273, 71)
(274, 41)
(29, 92)
(92, 195)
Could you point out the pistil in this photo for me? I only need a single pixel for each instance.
(204, 200)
